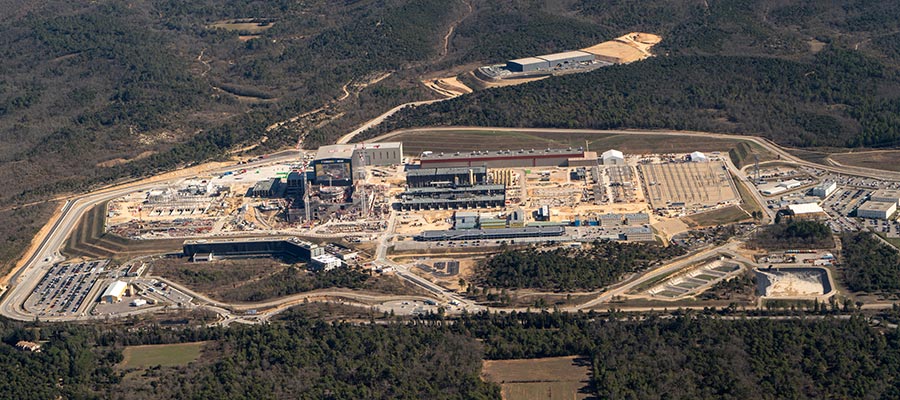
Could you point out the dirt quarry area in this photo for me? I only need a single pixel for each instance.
(449, 87)
(634, 46)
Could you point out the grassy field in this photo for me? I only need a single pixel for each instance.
(748, 202)
(892, 240)
(543, 378)
(888, 160)
(415, 143)
(721, 216)
(241, 25)
(166, 355)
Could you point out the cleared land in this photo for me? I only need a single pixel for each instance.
(888, 160)
(262, 279)
(165, 355)
(551, 378)
(451, 141)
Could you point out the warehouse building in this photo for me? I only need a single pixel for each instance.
(637, 219)
(528, 64)
(876, 209)
(502, 158)
(281, 246)
(325, 262)
(445, 177)
(114, 292)
(267, 188)
(824, 189)
(567, 58)
(465, 220)
(492, 234)
(550, 61)
(807, 211)
(378, 154)
(886, 196)
(638, 234)
(610, 220)
(613, 157)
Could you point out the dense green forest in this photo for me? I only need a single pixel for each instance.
(841, 98)
(793, 235)
(563, 269)
(686, 356)
(868, 264)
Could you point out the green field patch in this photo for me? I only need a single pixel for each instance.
(164, 355)
(722, 216)
(705, 277)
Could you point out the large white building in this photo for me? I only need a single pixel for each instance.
(824, 189)
(613, 157)
(877, 209)
(114, 292)
(886, 196)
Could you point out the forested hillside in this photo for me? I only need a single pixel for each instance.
(802, 73)
(681, 357)
(601, 264)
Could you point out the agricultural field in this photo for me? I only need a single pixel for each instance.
(165, 355)
(554, 378)
(446, 141)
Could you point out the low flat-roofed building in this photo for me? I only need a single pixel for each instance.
(608, 220)
(637, 219)
(465, 220)
(203, 257)
(114, 292)
(136, 269)
(590, 159)
(325, 262)
(491, 234)
(824, 189)
(807, 210)
(876, 209)
(266, 188)
(886, 195)
(638, 234)
(527, 64)
(790, 184)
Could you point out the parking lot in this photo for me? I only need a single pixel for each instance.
(66, 288)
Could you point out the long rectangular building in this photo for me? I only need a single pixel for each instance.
(491, 234)
(438, 177)
(441, 198)
(503, 158)
(254, 247)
